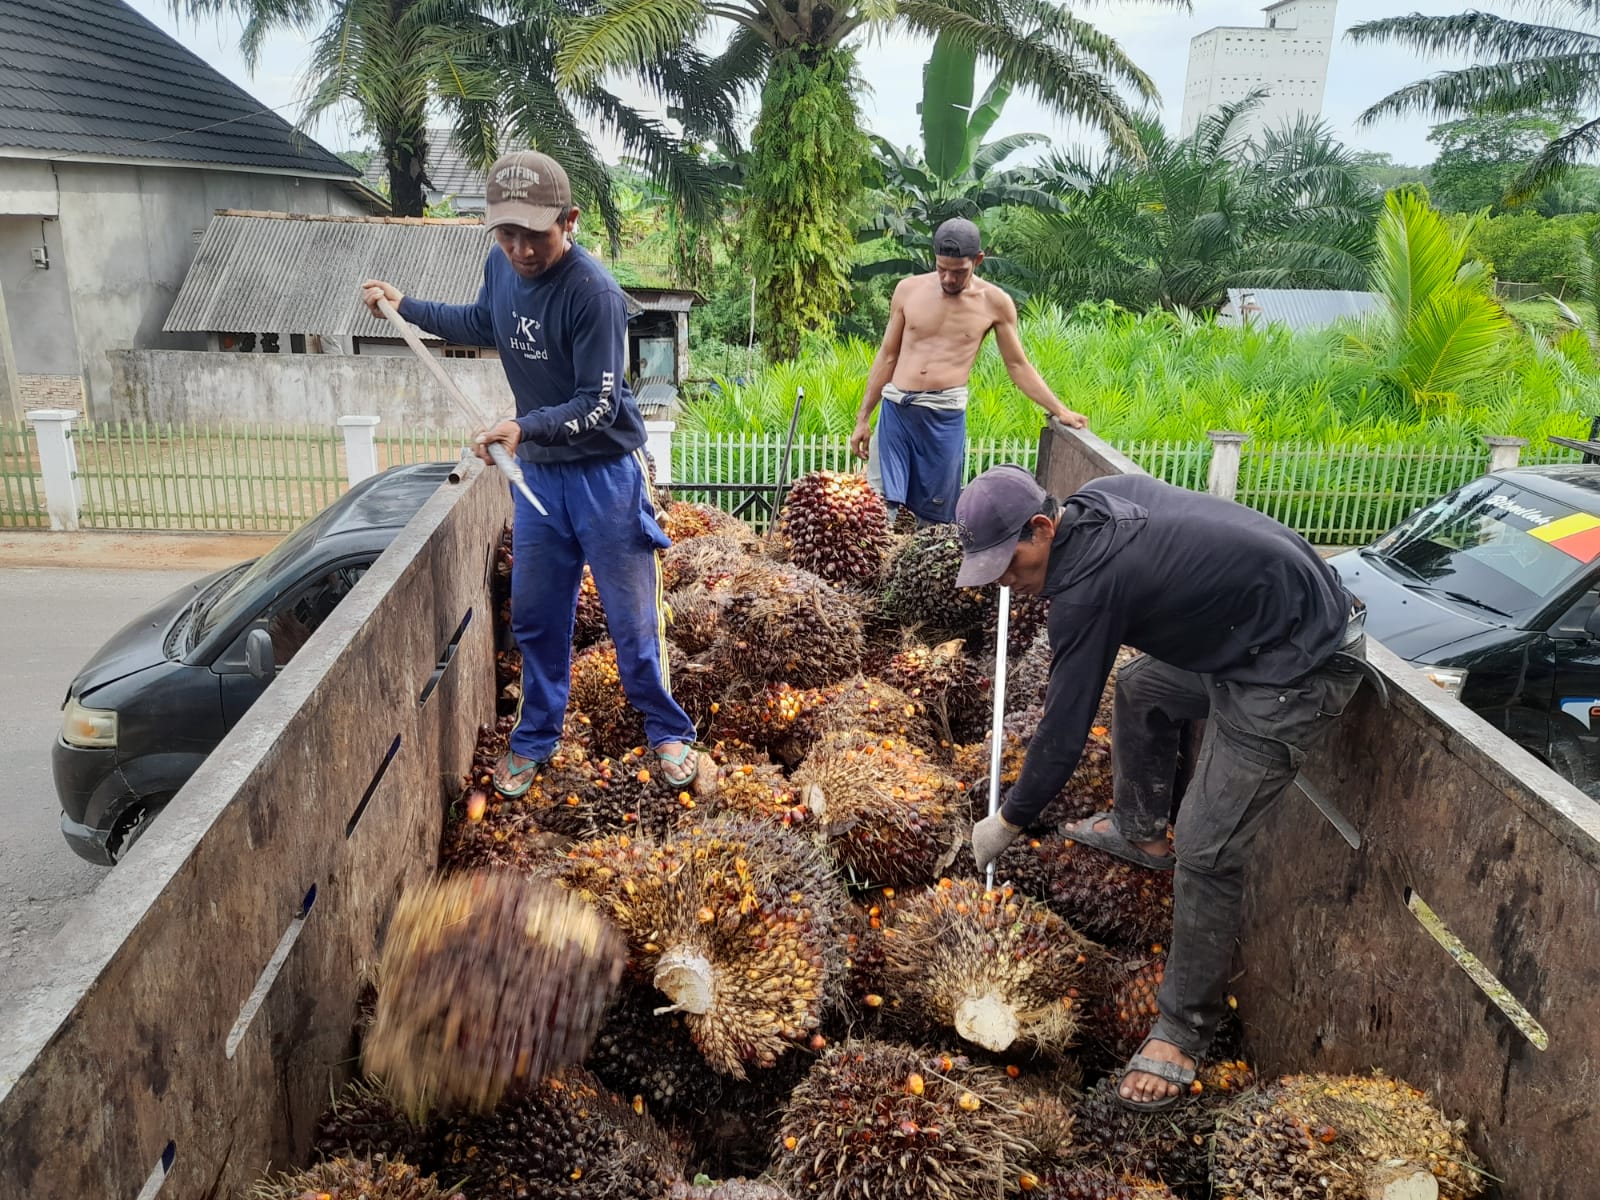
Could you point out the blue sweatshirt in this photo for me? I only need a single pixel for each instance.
(563, 340)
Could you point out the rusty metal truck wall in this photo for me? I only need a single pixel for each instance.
(187, 1027)
(1463, 835)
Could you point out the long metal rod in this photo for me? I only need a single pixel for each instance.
(997, 729)
(509, 467)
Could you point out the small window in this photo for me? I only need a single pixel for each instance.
(293, 622)
(461, 352)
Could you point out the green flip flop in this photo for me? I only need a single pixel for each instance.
(530, 769)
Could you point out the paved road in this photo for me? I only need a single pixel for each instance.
(54, 619)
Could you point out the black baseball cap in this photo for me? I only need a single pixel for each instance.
(990, 515)
(957, 238)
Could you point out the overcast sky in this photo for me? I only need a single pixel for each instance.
(1155, 36)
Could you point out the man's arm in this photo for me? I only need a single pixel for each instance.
(599, 343)
(461, 324)
(1028, 380)
(1083, 643)
(882, 372)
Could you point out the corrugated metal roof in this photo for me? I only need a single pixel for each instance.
(94, 77)
(290, 273)
(1298, 308)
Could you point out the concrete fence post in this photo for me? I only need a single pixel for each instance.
(1504, 452)
(658, 441)
(58, 463)
(360, 448)
(1226, 447)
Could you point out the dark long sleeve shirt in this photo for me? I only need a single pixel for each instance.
(1204, 584)
(563, 341)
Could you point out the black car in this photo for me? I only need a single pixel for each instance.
(1492, 593)
(145, 711)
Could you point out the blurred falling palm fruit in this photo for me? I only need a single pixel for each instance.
(735, 921)
(354, 1179)
(889, 814)
(999, 969)
(856, 1128)
(490, 981)
(834, 525)
(1342, 1137)
(566, 1138)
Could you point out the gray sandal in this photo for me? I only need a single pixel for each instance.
(1112, 842)
(1180, 1076)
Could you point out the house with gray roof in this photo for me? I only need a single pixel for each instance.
(1299, 309)
(447, 175)
(116, 146)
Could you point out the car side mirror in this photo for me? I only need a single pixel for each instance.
(258, 656)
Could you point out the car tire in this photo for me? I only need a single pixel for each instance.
(131, 824)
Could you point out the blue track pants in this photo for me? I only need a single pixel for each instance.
(600, 512)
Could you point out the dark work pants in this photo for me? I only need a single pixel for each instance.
(600, 512)
(1256, 737)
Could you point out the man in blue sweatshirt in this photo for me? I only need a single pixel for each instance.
(559, 321)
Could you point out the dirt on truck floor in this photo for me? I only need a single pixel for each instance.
(199, 552)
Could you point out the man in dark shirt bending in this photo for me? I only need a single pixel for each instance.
(1241, 623)
(560, 323)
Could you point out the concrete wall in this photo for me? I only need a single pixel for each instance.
(201, 388)
(128, 234)
(1289, 60)
(39, 308)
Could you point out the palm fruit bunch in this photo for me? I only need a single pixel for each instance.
(1116, 903)
(567, 1138)
(762, 792)
(507, 679)
(589, 625)
(1341, 1137)
(582, 796)
(834, 525)
(889, 814)
(1024, 622)
(684, 521)
(1090, 1183)
(875, 1008)
(969, 761)
(640, 1053)
(957, 693)
(597, 699)
(364, 1122)
(1122, 1018)
(354, 1179)
(735, 921)
(1089, 790)
(703, 560)
(882, 1121)
(728, 1189)
(1028, 671)
(920, 594)
(1173, 1145)
(784, 624)
(762, 717)
(999, 969)
(491, 831)
(489, 982)
(863, 704)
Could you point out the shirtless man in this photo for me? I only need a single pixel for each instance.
(937, 323)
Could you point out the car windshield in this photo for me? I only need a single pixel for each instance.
(1492, 546)
(224, 608)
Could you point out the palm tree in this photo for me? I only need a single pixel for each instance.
(807, 148)
(389, 59)
(1523, 66)
(957, 174)
(1184, 219)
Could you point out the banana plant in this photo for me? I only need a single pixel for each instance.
(957, 173)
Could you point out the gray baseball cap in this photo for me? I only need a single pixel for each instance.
(529, 189)
(957, 238)
(990, 515)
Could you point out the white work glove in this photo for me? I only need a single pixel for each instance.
(990, 837)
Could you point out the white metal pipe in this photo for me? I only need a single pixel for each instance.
(997, 729)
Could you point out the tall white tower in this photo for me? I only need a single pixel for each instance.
(1287, 57)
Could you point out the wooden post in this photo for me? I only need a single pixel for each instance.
(10, 384)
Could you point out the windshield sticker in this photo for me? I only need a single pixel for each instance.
(1524, 514)
(1577, 536)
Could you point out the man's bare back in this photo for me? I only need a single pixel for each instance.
(943, 332)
